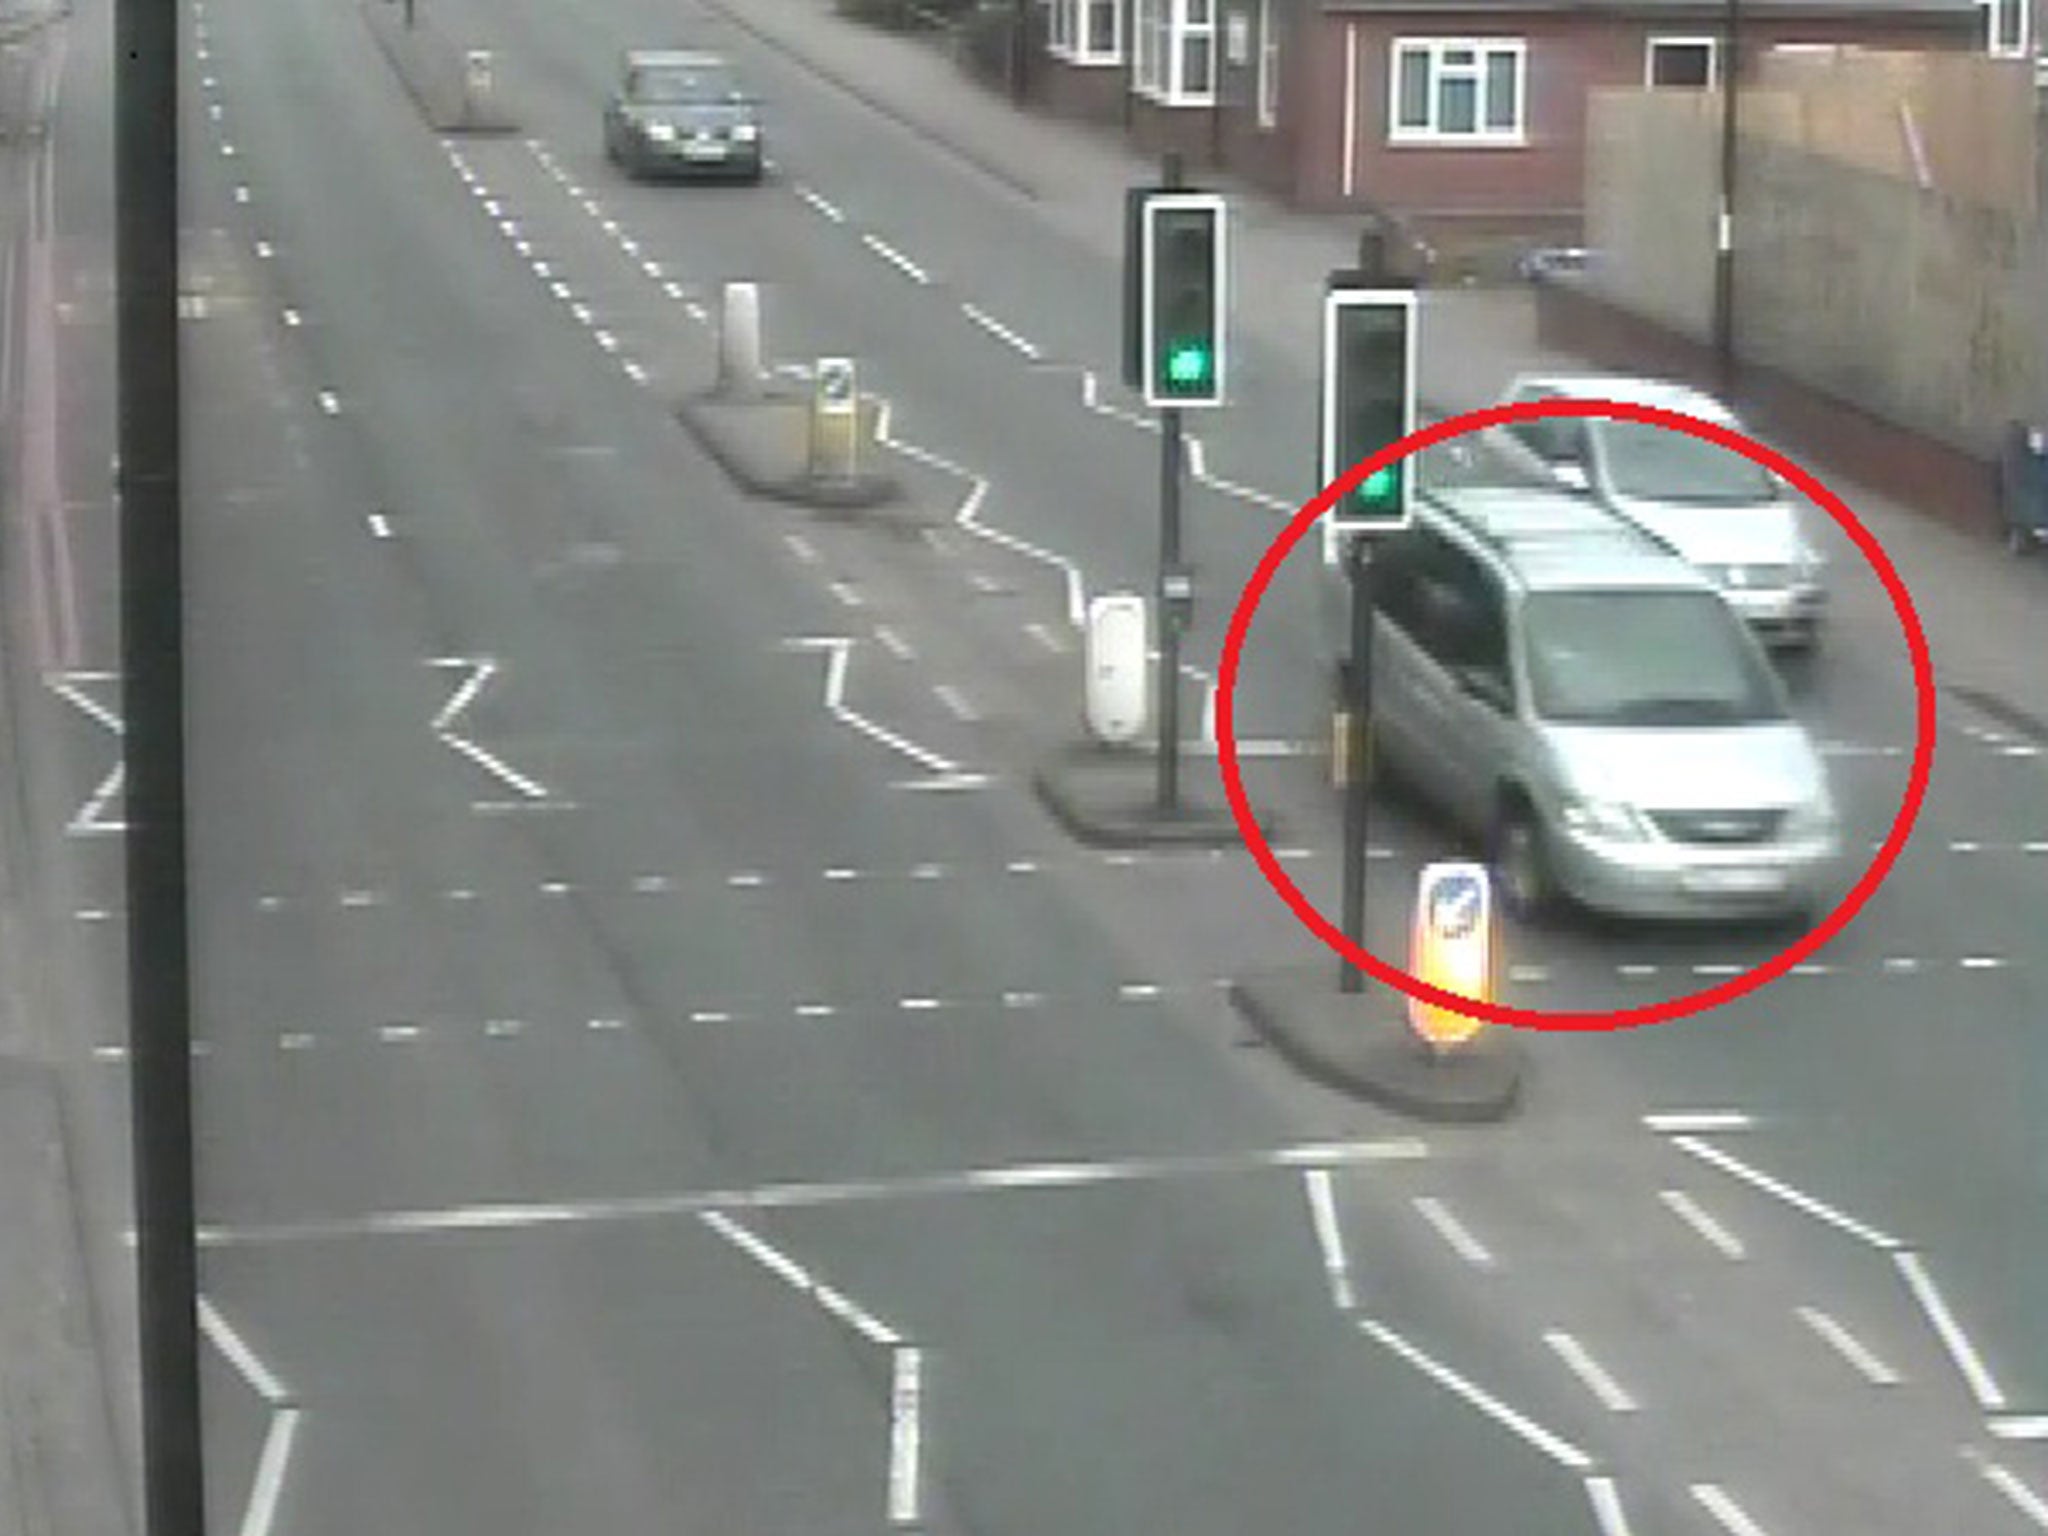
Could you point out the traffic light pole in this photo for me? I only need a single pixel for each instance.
(1358, 791)
(1170, 603)
(153, 704)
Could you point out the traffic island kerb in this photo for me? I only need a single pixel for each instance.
(1108, 797)
(1359, 1043)
(762, 444)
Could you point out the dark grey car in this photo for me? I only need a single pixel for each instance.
(677, 113)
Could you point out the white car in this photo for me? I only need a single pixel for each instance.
(1725, 514)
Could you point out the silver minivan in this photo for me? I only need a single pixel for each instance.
(1589, 705)
(1726, 514)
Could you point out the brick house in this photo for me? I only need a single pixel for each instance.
(1464, 118)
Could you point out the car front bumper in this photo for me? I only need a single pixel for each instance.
(695, 157)
(1675, 881)
(1780, 615)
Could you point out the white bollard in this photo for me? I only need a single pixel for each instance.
(739, 341)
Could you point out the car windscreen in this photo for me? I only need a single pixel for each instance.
(1664, 464)
(1632, 658)
(682, 84)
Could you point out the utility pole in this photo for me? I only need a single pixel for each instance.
(153, 704)
(1724, 223)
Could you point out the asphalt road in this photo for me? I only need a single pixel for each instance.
(561, 950)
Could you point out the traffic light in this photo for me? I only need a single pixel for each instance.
(1368, 388)
(1182, 299)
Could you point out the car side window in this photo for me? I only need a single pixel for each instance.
(1465, 627)
(1394, 580)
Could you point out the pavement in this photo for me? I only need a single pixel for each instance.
(662, 1067)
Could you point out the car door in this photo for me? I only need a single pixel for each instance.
(1460, 695)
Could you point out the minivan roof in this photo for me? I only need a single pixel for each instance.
(1662, 394)
(1553, 539)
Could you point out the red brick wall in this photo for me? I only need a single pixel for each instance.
(1827, 435)
(1568, 57)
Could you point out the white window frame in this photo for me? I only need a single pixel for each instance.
(2020, 13)
(1435, 49)
(1077, 40)
(1269, 67)
(1159, 52)
(1711, 44)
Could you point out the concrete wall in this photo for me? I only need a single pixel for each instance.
(1927, 309)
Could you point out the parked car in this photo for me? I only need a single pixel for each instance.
(1727, 514)
(678, 112)
(1591, 707)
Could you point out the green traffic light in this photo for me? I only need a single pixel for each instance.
(1381, 486)
(1187, 363)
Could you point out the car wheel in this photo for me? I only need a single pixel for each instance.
(1521, 866)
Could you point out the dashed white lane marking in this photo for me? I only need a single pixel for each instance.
(842, 872)
(1529, 973)
(895, 258)
(606, 1026)
(815, 1010)
(504, 1029)
(1688, 1211)
(1607, 1510)
(380, 525)
(295, 1040)
(822, 204)
(1983, 1386)
(291, 317)
(1000, 331)
(1453, 1231)
(894, 643)
(1982, 962)
(905, 1416)
(2007, 1482)
(1045, 637)
(848, 594)
(1552, 1445)
(801, 547)
(357, 899)
(1322, 1207)
(517, 1217)
(93, 915)
(920, 1004)
(1594, 1376)
(1715, 1500)
(1140, 992)
(1818, 1209)
(227, 150)
(1849, 1347)
(2021, 1427)
(954, 701)
(264, 250)
(329, 403)
(398, 1034)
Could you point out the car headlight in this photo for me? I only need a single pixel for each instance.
(1809, 823)
(745, 133)
(1605, 819)
(661, 133)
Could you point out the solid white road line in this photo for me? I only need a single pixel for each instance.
(1607, 1510)
(1982, 1385)
(516, 1217)
(1553, 1446)
(1322, 1205)
(221, 1334)
(1782, 1191)
(905, 1435)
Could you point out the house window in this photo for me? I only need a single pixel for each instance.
(1680, 62)
(2004, 26)
(1088, 31)
(1175, 59)
(1451, 91)
(1269, 66)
